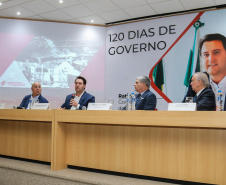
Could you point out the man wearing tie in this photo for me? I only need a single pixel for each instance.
(34, 97)
(145, 100)
(81, 98)
(204, 98)
(212, 49)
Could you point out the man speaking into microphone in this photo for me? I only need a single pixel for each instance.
(79, 99)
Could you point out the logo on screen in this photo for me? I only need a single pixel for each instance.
(3, 83)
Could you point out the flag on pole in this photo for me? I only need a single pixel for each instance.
(158, 75)
(198, 66)
(188, 74)
(194, 59)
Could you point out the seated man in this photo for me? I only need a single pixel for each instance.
(145, 100)
(205, 97)
(34, 97)
(80, 98)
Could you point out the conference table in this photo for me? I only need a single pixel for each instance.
(182, 145)
(26, 133)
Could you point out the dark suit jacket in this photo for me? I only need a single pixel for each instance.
(26, 99)
(191, 93)
(84, 100)
(147, 101)
(206, 100)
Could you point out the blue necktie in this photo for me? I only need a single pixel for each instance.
(195, 98)
(138, 97)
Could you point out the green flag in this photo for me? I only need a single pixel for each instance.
(198, 68)
(158, 75)
(189, 70)
(193, 54)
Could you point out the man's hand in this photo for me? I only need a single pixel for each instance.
(73, 103)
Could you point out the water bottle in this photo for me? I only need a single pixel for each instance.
(30, 104)
(219, 101)
(133, 100)
(128, 102)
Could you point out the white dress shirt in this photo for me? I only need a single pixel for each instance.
(32, 101)
(77, 99)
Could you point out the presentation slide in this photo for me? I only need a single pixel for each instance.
(165, 49)
(53, 54)
(110, 58)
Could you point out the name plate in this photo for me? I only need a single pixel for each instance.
(2, 105)
(43, 106)
(182, 107)
(99, 106)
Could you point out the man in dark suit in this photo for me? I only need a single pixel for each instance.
(145, 100)
(34, 97)
(79, 99)
(212, 49)
(204, 98)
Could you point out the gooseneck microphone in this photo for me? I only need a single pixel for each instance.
(73, 97)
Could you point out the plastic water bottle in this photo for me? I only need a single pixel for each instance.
(128, 102)
(30, 103)
(219, 101)
(133, 100)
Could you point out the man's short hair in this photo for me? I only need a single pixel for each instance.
(212, 37)
(144, 79)
(82, 78)
(203, 78)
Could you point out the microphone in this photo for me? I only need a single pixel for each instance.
(17, 107)
(73, 97)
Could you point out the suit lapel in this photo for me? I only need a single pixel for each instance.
(139, 99)
(82, 98)
(144, 94)
(200, 95)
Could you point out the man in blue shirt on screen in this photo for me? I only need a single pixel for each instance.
(145, 100)
(212, 49)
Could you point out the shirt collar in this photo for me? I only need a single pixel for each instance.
(142, 93)
(219, 85)
(36, 97)
(198, 93)
(80, 95)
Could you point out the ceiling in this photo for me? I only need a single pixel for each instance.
(102, 12)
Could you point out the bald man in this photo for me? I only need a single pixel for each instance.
(34, 97)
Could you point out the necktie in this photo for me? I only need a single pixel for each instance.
(195, 98)
(138, 97)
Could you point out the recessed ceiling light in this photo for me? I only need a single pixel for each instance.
(0, 3)
(18, 13)
(61, 1)
(92, 21)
